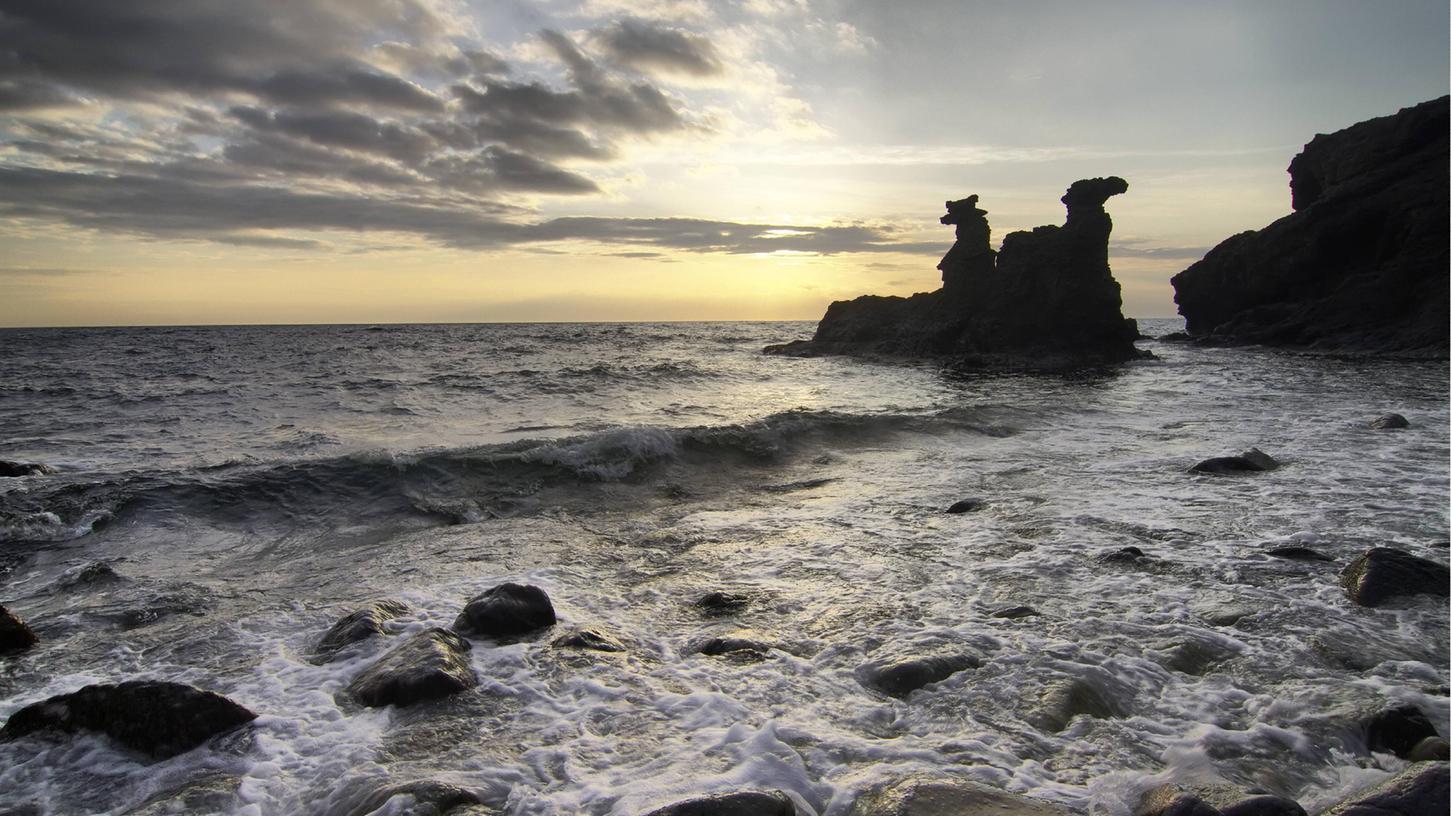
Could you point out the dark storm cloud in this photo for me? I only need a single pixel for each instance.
(649, 47)
(177, 208)
(345, 129)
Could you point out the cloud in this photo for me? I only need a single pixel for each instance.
(1131, 249)
(649, 47)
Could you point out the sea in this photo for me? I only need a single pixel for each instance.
(222, 495)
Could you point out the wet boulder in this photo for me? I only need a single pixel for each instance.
(423, 797)
(359, 625)
(1015, 613)
(947, 797)
(1420, 788)
(1253, 460)
(1124, 555)
(741, 803)
(1397, 730)
(1297, 553)
(736, 647)
(590, 639)
(1386, 422)
(1383, 573)
(720, 604)
(1430, 749)
(1063, 701)
(431, 664)
(899, 678)
(155, 717)
(506, 610)
(967, 506)
(14, 470)
(1171, 799)
(15, 634)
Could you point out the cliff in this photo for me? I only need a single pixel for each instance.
(1359, 266)
(1047, 299)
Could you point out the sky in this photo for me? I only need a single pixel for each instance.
(368, 161)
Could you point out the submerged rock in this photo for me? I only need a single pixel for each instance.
(1398, 730)
(898, 678)
(591, 639)
(431, 664)
(1430, 749)
(18, 469)
(719, 604)
(1123, 555)
(151, 716)
(505, 611)
(1252, 460)
(426, 797)
(1046, 300)
(947, 797)
(1383, 573)
(1015, 612)
(1421, 788)
(734, 647)
(1296, 553)
(1360, 265)
(1213, 800)
(15, 634)
(1389, 421)
(742, 803)
(1194, 656)
(1067, 699)
(967, 506)
(359, 625)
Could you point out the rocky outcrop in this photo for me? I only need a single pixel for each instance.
(947, 797)
(1046, 300)
(898, 678)
(1420, 788)
(1361, 263)
(427, 666)
(154, 717)
(1383, 573)
(15, 634)
(359, 625)
(506, 610)
(743, 803)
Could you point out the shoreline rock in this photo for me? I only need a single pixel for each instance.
(506, 610)
(430, 665)
(157, 718)
(1382, 573)
(1046, 301)
(15, 634)
(357, 626)
(1359, 265)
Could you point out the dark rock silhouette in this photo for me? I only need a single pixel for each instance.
(1389, 422)
(15, 634)
(915, 796)
(1383, 573)
(898, 678)
(1360, 265)
(1296, 553)
(154, 717)
(1046, 300)
(505, 611)
(1424, 787)
(966, 506)
(1398, 730)
(1251, 461)
(360, 625)
(17, 469)
(427, 666)
(743, 803)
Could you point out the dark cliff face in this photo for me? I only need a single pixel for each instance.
(1046, 300)
(1361, 265)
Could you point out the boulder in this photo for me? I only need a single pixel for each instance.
(1419, 789)
(15, 634)
(506, 610)
(356, 626)
(154, 717)
(898, 678)
(1430, 749)
(1251, 461)
(719, 604)
(1015, 612)
(1383, 573)
(1296, 553)
(1398, 730)
(425, 797)
(1046, 300)
(1389, 422)
(1123, 555)
(431, 664)
(742, 803)
(1066, 699)
(1360, 265)
(1172, 799)
(736, 647)
(967, 506)
(18, 469)
(947, 797)
(591, 639)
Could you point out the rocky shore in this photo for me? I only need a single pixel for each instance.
(1047, 300)
(1359, 266)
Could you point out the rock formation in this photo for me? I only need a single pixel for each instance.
(1361, 263)
(506, 610)
(1046, 300)
(432, 664)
